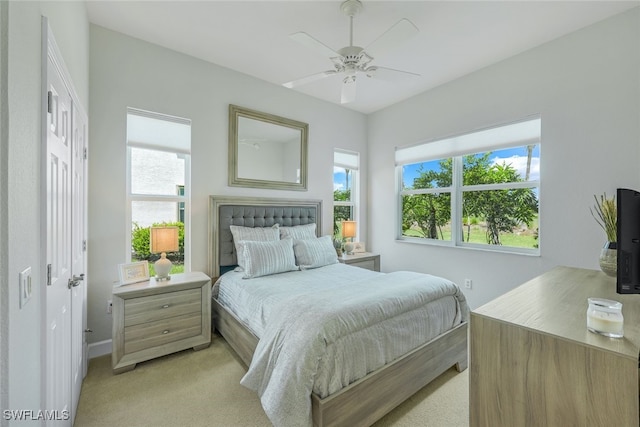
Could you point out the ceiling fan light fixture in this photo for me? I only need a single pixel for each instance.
(350, 72)
(370, 71)
(351, 59)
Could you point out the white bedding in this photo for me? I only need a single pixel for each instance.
(253, 300)
(322, 329)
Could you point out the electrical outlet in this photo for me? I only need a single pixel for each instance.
(468, 283)
(25, 287)
(109, 307)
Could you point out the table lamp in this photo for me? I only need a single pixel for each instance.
(348, 231)
(163, 239)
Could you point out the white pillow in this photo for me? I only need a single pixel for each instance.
(307, 231)
(260, 234)
(264, 258)
(314, 253)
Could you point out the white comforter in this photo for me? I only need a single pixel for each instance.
(323, 338)
(254, 300)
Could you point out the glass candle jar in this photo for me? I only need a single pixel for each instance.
(604, 317)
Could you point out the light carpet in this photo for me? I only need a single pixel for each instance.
(202, 388)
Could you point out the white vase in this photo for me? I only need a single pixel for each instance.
(609, 259)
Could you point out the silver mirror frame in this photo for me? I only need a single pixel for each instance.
(236, 112)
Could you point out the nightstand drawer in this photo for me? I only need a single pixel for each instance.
(162, 306)
(152, 334)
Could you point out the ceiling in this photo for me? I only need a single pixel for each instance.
(252, 37)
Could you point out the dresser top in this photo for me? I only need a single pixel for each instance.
(555, 303)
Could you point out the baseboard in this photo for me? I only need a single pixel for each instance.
(99, 348)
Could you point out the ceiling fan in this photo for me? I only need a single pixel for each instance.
(352, 61)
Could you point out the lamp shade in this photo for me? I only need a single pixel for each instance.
(164, 239)
(349, 229)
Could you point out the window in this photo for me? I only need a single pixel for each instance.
(345, 188)
(486, 183)
(180, 190)
(158, 187)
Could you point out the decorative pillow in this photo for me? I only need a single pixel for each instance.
(300, 232)
(264, 258)
(260, 234)
(314, 253)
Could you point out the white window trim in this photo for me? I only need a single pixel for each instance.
(186, 198)
(456, 190)
(354, 203)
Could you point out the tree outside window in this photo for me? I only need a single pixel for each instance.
(483, 199)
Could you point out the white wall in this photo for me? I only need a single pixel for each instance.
(586, 86)
(127, 72)
(70, 26)
(4, 209)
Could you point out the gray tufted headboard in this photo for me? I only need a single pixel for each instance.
(252, 212)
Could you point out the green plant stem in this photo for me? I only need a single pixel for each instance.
(606, 215)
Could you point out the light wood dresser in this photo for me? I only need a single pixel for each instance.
(155, 318)
(363, 260)
(534, 363)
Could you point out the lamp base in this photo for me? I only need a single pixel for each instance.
(348, 248)
(163, 267)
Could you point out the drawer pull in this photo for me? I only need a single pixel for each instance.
(166, 331)
(165, 306)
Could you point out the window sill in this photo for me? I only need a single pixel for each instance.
(471, 246)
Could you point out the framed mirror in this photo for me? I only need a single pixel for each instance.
(266, 151)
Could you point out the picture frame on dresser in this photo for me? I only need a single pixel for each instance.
(133, 272)
(359, 248)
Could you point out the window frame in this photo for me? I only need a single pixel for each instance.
(355, 186)
(457, 189)
(184, 199)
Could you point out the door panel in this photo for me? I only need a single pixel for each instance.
(64, 190)
(78, 260)
(58, 235)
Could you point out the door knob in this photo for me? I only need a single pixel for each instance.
(75, 281)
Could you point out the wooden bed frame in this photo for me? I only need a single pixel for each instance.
(370, 398)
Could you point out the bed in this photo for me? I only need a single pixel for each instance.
(356, 402)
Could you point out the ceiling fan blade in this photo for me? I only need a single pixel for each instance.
(309, 79)
(398, 33)
(306, 40)
(348, 90)
(385, 73)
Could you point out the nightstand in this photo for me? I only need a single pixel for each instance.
(155, 318)
(363, 260)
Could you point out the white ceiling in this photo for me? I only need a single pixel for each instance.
(456, 37)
